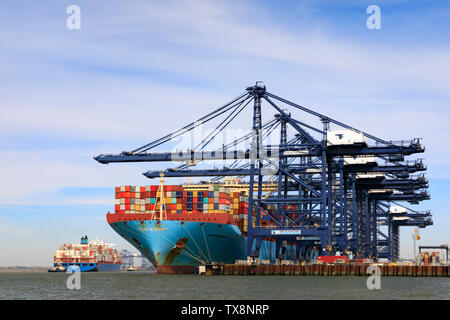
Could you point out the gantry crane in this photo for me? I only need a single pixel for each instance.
(347, 186)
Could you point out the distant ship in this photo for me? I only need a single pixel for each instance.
(88, 255)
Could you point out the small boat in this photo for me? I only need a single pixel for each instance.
(57, 269)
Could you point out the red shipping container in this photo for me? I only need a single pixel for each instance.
(117, 189)
(132, 194)
(127, 200)
(331, 259)
(127, 207)
(117, 207)
(224, 195)
(127, 194)
(127, 188)
(142, 189)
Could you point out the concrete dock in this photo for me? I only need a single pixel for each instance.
(387, 270)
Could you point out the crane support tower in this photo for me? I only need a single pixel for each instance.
(348, 187)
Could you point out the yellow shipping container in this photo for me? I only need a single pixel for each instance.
(179, 206)
(211, 206)
(137, 207)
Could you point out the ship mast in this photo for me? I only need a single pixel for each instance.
(162, 202)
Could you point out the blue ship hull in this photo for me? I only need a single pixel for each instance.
(179, 246)
(86, 267)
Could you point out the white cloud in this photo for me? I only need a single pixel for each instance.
(36, 177)
(87, 85)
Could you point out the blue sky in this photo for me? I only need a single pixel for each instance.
(139, 69)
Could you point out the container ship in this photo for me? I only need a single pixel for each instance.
(179, 227)
(88, 255)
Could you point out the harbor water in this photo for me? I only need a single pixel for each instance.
(152, 286)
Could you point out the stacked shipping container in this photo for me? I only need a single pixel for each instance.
(212, 199)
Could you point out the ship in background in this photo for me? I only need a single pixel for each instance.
(96, 255)
(178, 228)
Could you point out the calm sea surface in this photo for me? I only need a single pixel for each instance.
(143, 285)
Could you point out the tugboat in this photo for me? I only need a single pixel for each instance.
(57, 268)
(85, 256)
